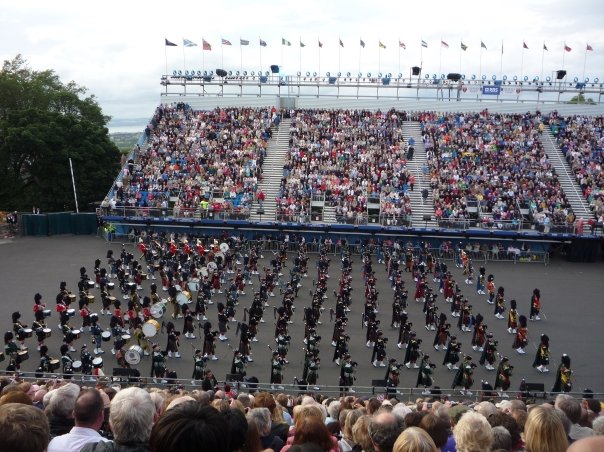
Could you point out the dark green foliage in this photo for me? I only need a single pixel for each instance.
(43, 123)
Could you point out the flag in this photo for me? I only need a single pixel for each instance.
(320, 44)
(464, 47)
(382, 45)
(285, 42)
(188, 43)
(424, 44)
(302, 44)
(567, 48)
(545, 47)
(341, 43)
(262, 43)
(402, 45)
(524, 46)
(590, 48)
(225, 42)
(444, 44)
(362, 43)
(483, 45)
(244, 42)
(206, 45)
(170, 44)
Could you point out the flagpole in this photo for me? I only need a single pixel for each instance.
(440, 57)
(221, 53)
(542, 58)
(240, 56)
(260, 55)
(360, 49)
(522, 63)
(282, 45)
(203, 55)
(421, 54)
(184, 61)
(318, 41)
(339, 51)
(584, 63)
(379, 55)
(480, 62)
(166, 57)
(300, 44)
(501, 59)
(460, 56)
(399, 56)
(563, 55)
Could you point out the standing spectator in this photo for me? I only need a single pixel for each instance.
(23, 428)
(262, 417)
(384, 429)
(60, 407)
(544, 431)
(89, 417)
(131, 417)
(414, 439)
(572, 408)
(312, 431)
(473, 433)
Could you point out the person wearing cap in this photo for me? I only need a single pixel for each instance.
(542, 356)
(564, 376)
(463, 377)
(199, 364)
(488, 355)
(424, 376)
(502, 379)
(521, 338)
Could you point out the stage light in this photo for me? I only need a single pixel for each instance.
(379, 75)
(314, 74)
(526, 78)
(473, 77)
(174, 73)
(400, 75)
(252, 73)
(179, 73)
(586, 79)
(339, 74)
(505, 77)
(198, 73)
(360, 75)
(515, 78)
(327, 74)
(463, 76)
(548, 79)
(434, 76)
(596, 80)
(348, 74)
(427, 76)
(369, 74)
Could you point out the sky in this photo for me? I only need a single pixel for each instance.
(116, 49)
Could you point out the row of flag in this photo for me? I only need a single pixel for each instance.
(244, 42)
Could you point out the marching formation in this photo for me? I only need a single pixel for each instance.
(187, 275)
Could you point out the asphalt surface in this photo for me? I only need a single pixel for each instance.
(571, 294)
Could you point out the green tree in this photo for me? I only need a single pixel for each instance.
(43, 123)
(580, 99)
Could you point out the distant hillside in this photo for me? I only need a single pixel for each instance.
(125, 141)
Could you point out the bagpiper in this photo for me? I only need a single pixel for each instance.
(463, 377)
(502, 380)
(424, 376)
(542, 356)
(564, 376)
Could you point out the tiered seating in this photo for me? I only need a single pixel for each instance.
(581, 140)
(495, 158)
(198, 158)
(348, 156)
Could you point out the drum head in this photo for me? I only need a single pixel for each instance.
(204, 271)
(157, 311)
(97, 362)
(106, 336)
(212, 266)
(132, 357)
(182, 298)
(224, 247)
(76, 365)
(193, 285)
(149, 329)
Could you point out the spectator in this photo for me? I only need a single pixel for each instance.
(187, 426)
(598, 425)
(502, 440)
(384, 428)
(347, 442)
(23, 428)
(59, 409)
(544, 432)
(414, 439)
(131, 418)
(16, 396)
(262, 417)
(589, 444)
(572, 408)
(278, 426)
(89, 416)
(473, 433)
(360, 434)
(508, 422)
(313, 430)
(437, 428)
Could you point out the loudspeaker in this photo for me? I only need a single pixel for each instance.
(427, 218)
(234, 377)
(221, 72)
(454, 76)
(274, 69)
(532, 387)
(260, 212)
(415, 70)
(560, 74)
(378, 383)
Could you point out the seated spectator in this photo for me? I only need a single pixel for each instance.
(313, 430)
(23, 428)
(278, 425)
(589, 444)
(187, 426)
(502, 440)
(473, 433)
(262, 418)
(437, 428)
(360, 434)
(544, 432)
(414, 439)
(89, 416)
(347, 442)
(384, 429)
(572, 408)
(131, 418)
(59, 409)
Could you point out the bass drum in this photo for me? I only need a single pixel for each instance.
(151, 328)
(158, 310)
(133, 355)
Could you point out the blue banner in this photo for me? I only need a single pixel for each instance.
(491, 90)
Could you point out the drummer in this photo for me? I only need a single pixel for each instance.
(154, 297)
(68, 336)
(97, 272)
(158, 363)
(146, 308)
(189, 323)
(11, 349)
(39, 326)
(85, 314)
(66, 362)
(172, 293)
(141, 340)
(173, 341)
(200, 305)
(97, 334)
(44, 366)
(38, 305)
(19, 329)
(86, 359)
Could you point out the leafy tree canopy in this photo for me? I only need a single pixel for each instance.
(43, 123)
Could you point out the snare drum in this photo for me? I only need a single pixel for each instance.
(110, 285)
(71, 312)
(76, 366)
(90, 298)
(54, 365)
(47, 332)
(72, 297)
(23, 355)
(133, 355)
(126, 337)
(111, 299)
(28, 332)
(204, 271)
(46, 312)
(76, 334)
(97, 363)
(106, 336)
(90, 284)
(151, 328)
(182, 299)
(143, 276)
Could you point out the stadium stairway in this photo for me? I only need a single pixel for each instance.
(272, 171)
(568, 182)
(419, 208)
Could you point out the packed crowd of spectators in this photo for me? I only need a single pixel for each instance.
(347, 156)
(59, 416)
(208, 160)
(581, 140)
(498, 159)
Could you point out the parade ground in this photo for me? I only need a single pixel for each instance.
(571, 295)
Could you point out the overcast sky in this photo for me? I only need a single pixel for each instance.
(116, 49)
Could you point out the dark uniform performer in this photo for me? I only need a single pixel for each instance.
(40, 328)
(44, 366)
(276, 370)
(86, 359)
(11, 351)
(535, 305)
(199, 363)
(542, 355)
(379, 351)
(489, 353)
(564, 376)
(347, 375)
(512, 318)
(312, 363)
(19, 330)
(173, 341)
(66, 362)
(463, 377)
(158, 363)
(424, 376)
(442, 332)
(244, 342)
(499, 303)
(502, 380)
(412, 353)
(238, 364)
(209, 338)
(452, 354)
(392, 375)
(478, 337)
